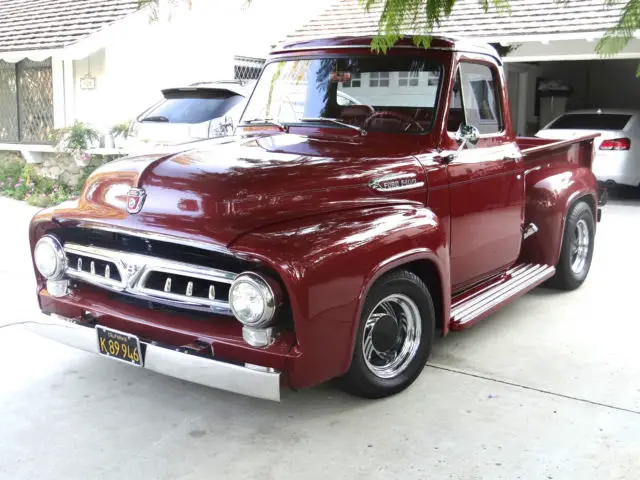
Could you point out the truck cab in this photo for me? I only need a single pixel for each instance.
(365, 202)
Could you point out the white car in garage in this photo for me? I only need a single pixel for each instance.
(188, 114)
(617, 159)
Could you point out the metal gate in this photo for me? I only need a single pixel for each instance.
(8, 103)
(26, 102)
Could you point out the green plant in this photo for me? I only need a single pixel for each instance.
(120, 129)
(21, 182)
(75, 139)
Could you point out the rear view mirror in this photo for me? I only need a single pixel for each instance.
(467, 135)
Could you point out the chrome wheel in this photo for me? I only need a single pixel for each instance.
(579, 246)
(391, 336)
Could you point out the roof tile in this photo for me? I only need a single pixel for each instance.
(50, 24)
(468, 19)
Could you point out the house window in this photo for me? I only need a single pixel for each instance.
(408, 79)
(26, 102)
(379, 79)
(355, 82)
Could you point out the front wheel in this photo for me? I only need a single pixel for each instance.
(577, 249)
(394, 337)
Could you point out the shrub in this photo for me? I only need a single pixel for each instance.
(120, 130)
(21, 182)
(75, 139)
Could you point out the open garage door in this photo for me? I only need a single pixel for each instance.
(605, 84)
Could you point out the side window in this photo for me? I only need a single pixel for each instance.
(456, 107)
(475, 100)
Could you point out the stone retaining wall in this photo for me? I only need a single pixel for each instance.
(58, 166)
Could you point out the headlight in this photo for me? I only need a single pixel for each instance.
(252, 300)
(50, 258)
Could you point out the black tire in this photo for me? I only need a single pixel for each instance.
(566, 278)
(360, 379)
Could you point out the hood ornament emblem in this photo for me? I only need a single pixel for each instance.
(135, 199)
(131, 271)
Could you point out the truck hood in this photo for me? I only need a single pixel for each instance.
(217, 194)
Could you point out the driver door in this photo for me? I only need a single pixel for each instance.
(486, 181)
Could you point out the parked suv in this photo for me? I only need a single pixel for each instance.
(186, 114)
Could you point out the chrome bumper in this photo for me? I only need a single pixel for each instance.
(192, 368)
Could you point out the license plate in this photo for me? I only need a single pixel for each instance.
(119, 345)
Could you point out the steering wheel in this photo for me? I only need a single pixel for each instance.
(398, 116)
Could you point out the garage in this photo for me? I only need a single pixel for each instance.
(577, 77)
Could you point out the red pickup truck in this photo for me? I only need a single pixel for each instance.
(365, 202)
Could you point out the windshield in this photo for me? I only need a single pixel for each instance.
(195, 106)
(591, 121)
(375, 93)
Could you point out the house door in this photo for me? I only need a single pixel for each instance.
(486, 182)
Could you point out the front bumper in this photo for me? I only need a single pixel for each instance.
(185, 366)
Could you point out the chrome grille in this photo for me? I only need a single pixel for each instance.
(152, 278)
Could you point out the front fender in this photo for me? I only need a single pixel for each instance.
(327, 264)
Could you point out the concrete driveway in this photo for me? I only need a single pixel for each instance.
(548, 388)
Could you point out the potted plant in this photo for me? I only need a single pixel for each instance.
(76, 140)
(119, 133)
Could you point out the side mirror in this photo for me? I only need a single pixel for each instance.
(467, 135)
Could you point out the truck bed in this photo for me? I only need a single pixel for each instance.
(535, 148)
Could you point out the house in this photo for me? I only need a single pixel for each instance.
(542, 42)
(104, 61)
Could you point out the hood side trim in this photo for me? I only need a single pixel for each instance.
(162, 237)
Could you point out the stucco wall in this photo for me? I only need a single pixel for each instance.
(92, 105)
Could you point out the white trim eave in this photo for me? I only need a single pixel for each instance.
(35, 55)
(540, 38)
(544, 38)
(558, 58)
(94, 42)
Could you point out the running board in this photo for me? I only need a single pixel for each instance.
(471, 306)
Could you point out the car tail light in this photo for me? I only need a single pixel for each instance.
(616, 144)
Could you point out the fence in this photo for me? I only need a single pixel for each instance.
(247, 68)
(26, 102)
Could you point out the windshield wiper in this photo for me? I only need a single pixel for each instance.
(156, 118)
(335, 121)
(264, 121)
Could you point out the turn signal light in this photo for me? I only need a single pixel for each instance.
(616, 144)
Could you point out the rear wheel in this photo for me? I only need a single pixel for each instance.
(577, 249)
(394, 337)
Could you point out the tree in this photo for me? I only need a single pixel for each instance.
(619, 36)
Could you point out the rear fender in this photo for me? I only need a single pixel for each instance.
(551, 193)
(327, 264)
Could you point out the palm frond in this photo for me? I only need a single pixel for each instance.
(418, 17)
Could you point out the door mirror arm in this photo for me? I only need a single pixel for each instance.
(466, 136)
